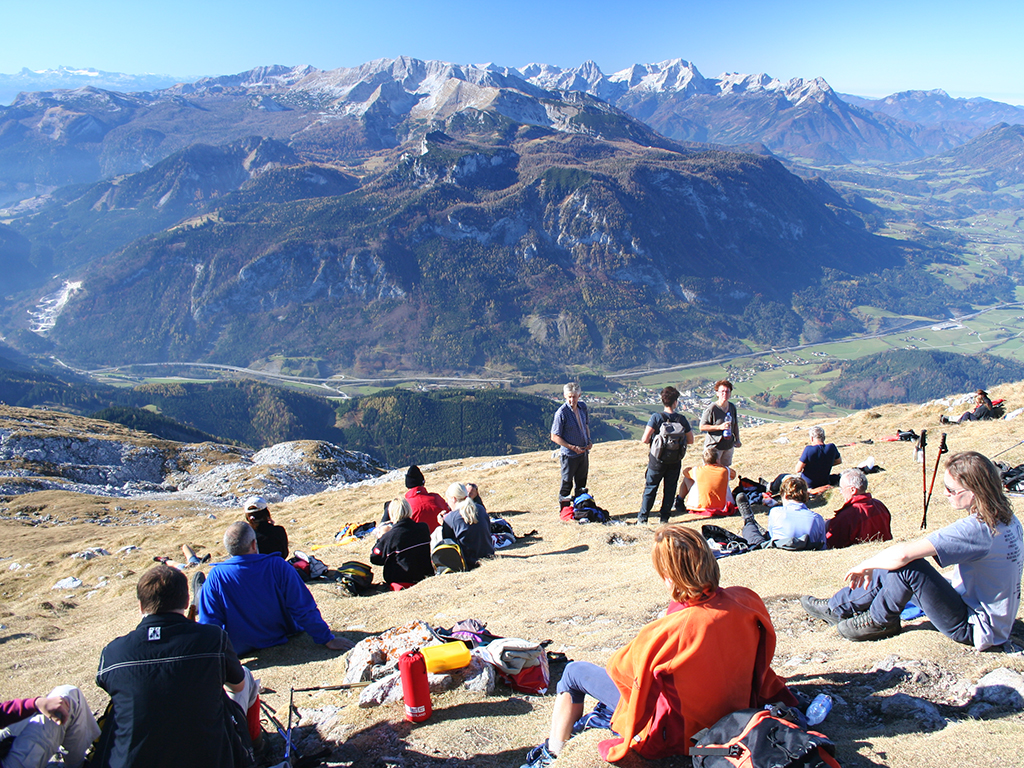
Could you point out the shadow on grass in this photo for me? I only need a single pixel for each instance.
(877, 704)
(571, 551)
(15, 636)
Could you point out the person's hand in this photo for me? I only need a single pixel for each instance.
(56, 708)
(859, 576)
(339, 644)
(737, 444)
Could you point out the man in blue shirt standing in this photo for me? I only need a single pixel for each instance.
(259, 600)
(570, 430)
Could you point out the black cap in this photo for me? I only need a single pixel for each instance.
(413, 477)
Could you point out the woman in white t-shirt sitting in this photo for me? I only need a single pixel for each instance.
(987, 548)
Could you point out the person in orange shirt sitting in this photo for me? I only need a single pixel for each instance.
(709, 655)
(705, 490)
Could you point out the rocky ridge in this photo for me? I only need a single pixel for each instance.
(52, 451)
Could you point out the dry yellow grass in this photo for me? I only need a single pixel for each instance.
(587, 588)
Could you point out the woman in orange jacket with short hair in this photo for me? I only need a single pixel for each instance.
(709, 655)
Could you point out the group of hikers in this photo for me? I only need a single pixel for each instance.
(179, 694)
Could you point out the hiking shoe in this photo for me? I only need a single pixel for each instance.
(539, 757)
(641, 519)
(864, 627)
(680, 506)
(196, 583)
(665, 519)
(818, 608)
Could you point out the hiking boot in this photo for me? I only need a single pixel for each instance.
(664, 520)
(744, 506)
(818, 608)
(539, 757)
(864, 627)
(680, 506)
(641, 519)
(196, 583)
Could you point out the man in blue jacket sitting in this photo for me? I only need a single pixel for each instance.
(260, 600)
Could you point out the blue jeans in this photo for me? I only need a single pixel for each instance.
(575, 469)
(581, 679)
(658, 472)
(890, 591)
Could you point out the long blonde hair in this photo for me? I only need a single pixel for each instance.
(464, 505)
(979, 475)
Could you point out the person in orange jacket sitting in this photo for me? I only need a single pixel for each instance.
(709, 655)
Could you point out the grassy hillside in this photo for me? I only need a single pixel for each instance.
(906, 376)
(588, 589)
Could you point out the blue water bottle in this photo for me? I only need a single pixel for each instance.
(819, 709)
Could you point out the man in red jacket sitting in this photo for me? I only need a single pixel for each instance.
(861, 518)
(425, 505)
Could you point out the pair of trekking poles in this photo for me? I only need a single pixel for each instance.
(926, 487)
(291, 753)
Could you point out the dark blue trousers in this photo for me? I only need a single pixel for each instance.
(890, 591)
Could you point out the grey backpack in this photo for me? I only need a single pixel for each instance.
(669, 442)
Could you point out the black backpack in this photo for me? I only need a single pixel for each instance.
(761, 738)
(355, 577)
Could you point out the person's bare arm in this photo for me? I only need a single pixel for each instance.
(235, 687)
(689, 437)
(648, 434)
(559, 440)
(890, 559)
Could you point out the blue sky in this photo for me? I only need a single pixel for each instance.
(868, 47)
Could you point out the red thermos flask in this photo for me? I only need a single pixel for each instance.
(415, 688)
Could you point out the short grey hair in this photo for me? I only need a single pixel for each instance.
(238, 538)
(399, 509)
(816, 433)
(571, 388)
(854, 478)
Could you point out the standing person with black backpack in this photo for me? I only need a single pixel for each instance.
(668, 433)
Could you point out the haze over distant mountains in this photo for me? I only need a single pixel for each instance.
(74, 77)
(411, 214)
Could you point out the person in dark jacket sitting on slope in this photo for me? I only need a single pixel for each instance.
(403, 548)
(270, 539)
(982, 410)
(469, 525)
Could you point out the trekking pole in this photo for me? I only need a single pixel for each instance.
(942, 449)
(920, 452)
(288, 738)
(339, 687)
(284, 734)
(1008, 449)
